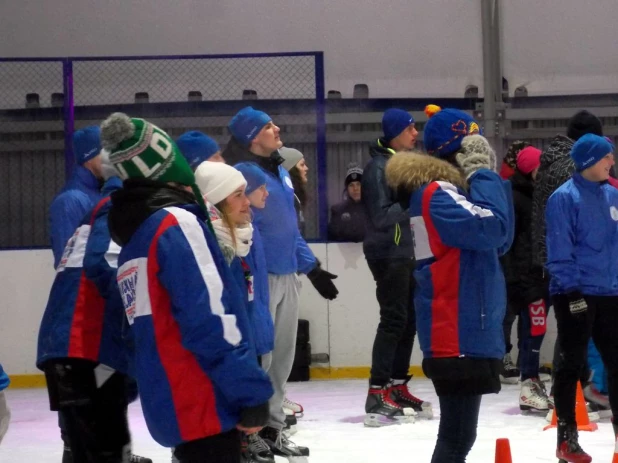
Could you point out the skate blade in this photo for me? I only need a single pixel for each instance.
(374, 420)
(529, 409)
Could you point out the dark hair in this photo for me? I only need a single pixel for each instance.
(300, 189)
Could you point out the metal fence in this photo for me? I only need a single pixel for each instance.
(43, 101)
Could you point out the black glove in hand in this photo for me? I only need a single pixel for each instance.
(323, 282)
(577, 303)
(255, 417)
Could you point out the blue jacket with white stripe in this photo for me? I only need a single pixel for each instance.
(195, 371)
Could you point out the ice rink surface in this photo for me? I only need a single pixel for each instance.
(332, 428)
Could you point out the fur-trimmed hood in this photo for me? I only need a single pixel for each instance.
(408, 171)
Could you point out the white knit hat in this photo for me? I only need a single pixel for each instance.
(217, 181)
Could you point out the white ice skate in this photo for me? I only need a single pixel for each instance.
(532, 397)
(294, 407)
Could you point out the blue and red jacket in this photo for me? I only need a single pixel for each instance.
(84, 316)
(194, 370)
(460, 297)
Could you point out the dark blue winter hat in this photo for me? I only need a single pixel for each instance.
(254, 176)
(395, 121)
(589, 150)
(86, 144)
(247, 123)
(196, 147)
(445, 129)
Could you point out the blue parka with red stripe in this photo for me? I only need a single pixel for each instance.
(84, 316)
(195, 371)
(459, 232)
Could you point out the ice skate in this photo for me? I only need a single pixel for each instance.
(382, 411)
(138, 459)
(290, 425)
(298, 409)
(568, 450)
(400, 394)
(281, 446)
(509, 373)
(255, 450)
(532, 397)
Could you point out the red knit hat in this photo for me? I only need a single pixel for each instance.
(528, 159)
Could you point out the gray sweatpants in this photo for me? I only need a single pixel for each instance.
(284, 290)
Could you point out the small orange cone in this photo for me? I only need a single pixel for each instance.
(503, 451)
(581, 414)
(615, 459)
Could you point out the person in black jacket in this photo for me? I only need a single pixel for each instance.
(389, 253)
(526, 290)
(348, 218)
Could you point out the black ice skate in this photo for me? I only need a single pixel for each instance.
(509, 373)
(568, 450)
(400, 394)
(383, 411)
(255, 450)
(281, 446)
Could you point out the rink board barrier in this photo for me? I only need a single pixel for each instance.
(344, 329)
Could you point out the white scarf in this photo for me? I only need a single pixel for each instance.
(243, 234)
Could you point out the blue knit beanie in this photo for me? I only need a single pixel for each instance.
(445, 129)
(395, 121)
(254, 176)
(86, 144)
(247, 123)
(196, 147)
(589, 150)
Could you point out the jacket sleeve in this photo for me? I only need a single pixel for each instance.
(65, 215)
(376, 196)
(304, 256)
(510, 203)
(189, 272)
(561, 238)
(483, 222)
(101, 259)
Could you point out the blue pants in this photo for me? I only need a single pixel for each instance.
(459, 415)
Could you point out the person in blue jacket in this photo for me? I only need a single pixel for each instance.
(462, 220)
(5, 412)
(582, 259)
(229, 210)
(199, 380)
(81, 345)
(255, 139)
(80, 193)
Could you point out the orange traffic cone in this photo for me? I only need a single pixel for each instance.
(615, 459)
(503, 451)
(581, 414)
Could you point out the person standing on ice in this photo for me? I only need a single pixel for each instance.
(526, 291)
(390, 256)
(461, 216)
(582, 258)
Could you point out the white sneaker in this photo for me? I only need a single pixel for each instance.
(293, 406)
(5, 415)
(533, 397)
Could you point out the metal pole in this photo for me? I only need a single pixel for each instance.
(489, 71)
(320, 107)
(69, 116)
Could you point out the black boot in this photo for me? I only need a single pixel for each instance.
(568, 445)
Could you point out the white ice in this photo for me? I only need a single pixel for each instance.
(332, 428)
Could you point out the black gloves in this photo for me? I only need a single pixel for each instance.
(254, 417)
(322, 282)
(577, 303)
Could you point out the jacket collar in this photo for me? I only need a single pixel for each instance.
(86, 178)
(580, 181)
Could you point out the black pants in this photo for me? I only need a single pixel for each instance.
(459, 415)
(601, 322)
(222, 448)
(394, 340)
(94, 418)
